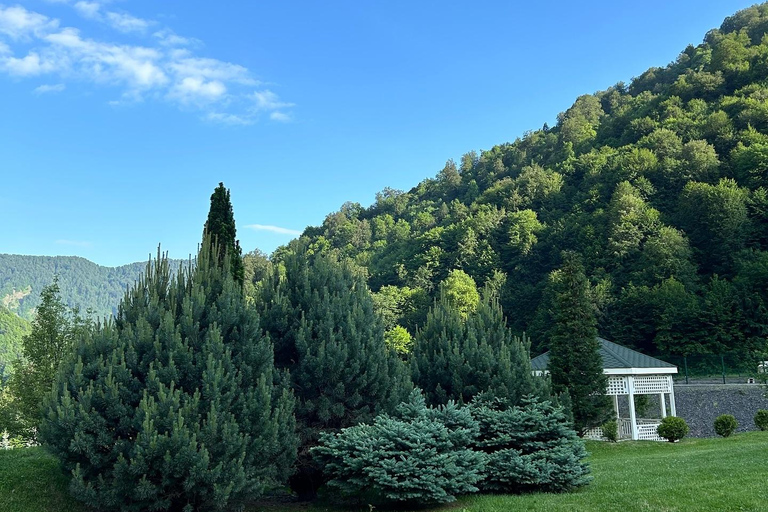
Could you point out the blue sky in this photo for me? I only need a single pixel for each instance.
(119, 118)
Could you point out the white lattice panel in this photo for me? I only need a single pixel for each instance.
(651, 384)
(595, 434)
(648, 432)
(617, 386)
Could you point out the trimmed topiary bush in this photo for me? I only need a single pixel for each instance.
(761, 419)
(420, 456)
(611, 431)
(725, 425)
(531, 447)
(673, 428)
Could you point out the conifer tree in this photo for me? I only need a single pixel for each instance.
(457, 357)
(173, 404)
(221, 226)
(574, 356)
(320, 315)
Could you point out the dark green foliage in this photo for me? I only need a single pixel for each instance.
(531, 447)
(659, 184)
(12, 329)
(172, 405)
(49, 342)
(611, 430)
(221, 227)
(320, 315)
(458, 355)
(575, 364)
(761, 419)
(725, 425)
(673, 428)
(418, 456)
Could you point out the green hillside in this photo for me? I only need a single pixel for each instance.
(84, 284)
(12, 329)
(661, 185)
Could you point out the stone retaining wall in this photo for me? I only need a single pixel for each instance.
(700, 404)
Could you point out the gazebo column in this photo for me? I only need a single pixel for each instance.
(672, 410)
(632, 416)
(616, 405)
(663, 403)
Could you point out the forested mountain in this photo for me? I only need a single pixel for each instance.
(661, 186)
(83, 284)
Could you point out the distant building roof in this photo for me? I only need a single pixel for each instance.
(615, 357)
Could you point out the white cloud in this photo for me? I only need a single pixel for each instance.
(19, 23)
(280, 117)
(267, 100)
(49, 88)
(75, 243)
(126, 23)
(88, 10)
(30, 65)
(230, 119)
(164, 68)
(274, 229)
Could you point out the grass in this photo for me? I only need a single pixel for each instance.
(694, 475)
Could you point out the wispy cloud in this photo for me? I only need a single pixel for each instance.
(74, 243)
(274, 229)
(163, 68)
(49, 88)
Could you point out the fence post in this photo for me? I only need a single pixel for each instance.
(685, 362)
(722, 362)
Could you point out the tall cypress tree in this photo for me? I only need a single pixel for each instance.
(221, 226)
(458, 358)
(173, 404)
(574, 350)
(320, 315)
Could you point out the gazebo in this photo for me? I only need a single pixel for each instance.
(629, 373)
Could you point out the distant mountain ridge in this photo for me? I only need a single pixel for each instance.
(83, 283)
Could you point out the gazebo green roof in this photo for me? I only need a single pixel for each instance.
(614, 356)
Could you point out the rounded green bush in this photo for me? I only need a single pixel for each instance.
(725, 425)
(673, 428)
(611, 431)
(761, 419)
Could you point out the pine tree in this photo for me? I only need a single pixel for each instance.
(320, 315)
(575, 364)
(221, 226)
(173, 404)
(457, 357)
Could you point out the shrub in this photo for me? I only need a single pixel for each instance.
(611, 431)
(761, 419)
(171, 405)
(419, 456)
(725, 425)
(673, 428)
(531, 447)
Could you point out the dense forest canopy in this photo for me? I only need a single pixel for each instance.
(661, 186)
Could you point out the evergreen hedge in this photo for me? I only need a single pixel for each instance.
(172, 405)
(530, 447)
(420, 456)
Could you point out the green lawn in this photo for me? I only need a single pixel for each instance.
(694, 475)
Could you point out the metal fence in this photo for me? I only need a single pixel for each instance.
(727, 368)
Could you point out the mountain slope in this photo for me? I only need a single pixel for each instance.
(661, 186)
(83, 284)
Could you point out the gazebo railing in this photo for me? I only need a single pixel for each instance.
(646, 429)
